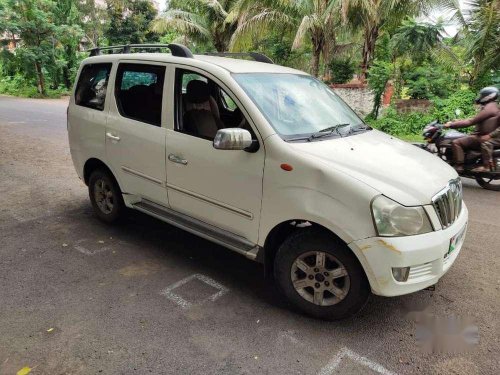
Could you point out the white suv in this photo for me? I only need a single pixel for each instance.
(268, 162)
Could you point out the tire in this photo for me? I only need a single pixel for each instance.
(105, 196)
(487, 184)
(351, 290)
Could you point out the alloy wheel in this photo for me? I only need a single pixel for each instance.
(103, 196)
(320, 278)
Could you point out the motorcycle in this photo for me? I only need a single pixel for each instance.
(438, 141)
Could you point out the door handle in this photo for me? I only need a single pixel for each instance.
(177, 159)
(113, 137)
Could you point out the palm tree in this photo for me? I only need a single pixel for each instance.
(199, 20)
(482, 36)
(422, 40)
(311, 20)
(372, 16)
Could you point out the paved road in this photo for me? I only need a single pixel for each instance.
(79, 297)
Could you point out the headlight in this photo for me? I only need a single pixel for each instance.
(392, 219)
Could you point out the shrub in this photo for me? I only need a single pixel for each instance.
(444, 109)
(413, 123)
(342, 70)
(20, 86)
(426, 82)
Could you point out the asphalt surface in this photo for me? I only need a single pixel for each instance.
(80, 297)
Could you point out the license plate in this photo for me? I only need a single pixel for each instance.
(457, 239)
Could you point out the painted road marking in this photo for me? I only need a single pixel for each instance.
(168, 292)
(79, 247)
(331, 366)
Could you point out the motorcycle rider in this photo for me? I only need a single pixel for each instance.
(489, 142)
(486, 122)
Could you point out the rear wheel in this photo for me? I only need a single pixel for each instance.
(105, 196)
(320, 275)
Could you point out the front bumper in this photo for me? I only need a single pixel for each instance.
(425, 254)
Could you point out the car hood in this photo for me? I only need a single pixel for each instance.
(397, 169)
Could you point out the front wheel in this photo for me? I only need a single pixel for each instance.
(320, 275)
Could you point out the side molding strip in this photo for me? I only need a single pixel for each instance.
(235, 210)
(139, 174)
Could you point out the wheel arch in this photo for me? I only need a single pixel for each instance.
(280, 232)
(91, 165)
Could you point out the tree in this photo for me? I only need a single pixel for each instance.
(93, 21)
(202, 21)
(130, 22)
(67, 17)
(417, 39)
(380, 73)
(33, 21)
(373, 16)
(482, 37)
(311, 20)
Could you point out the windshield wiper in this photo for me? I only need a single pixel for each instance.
(359, 128)
(327, 131)
(297, 139)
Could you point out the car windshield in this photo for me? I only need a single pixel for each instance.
(299, 107)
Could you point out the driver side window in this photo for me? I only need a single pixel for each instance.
(202, 107)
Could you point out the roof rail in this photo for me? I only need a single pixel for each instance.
(260, 57)
(176, 49)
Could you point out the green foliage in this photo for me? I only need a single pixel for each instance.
(413, 123)
(49, 38)
(17, 85)
(482, 38)
(429, 81)
(444, 109)
(279, 48)
(417, 39)
(379, 74)
(415, 56)
(401, 124)
(203, 24)
(130, 21)
(342, 70)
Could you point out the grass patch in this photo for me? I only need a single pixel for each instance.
(17, 86)
(411, 137)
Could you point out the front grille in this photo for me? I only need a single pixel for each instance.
(448, 203)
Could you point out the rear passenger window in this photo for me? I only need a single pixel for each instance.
(139, 92)
(92, 84)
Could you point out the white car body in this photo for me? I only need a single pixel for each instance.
(248, 195)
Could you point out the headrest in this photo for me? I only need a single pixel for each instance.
(197, 91)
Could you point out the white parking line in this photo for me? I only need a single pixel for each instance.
(86, 251)
(331, 366)
(168, 292)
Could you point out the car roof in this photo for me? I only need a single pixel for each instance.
(232, 65)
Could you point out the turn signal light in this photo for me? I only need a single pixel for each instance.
(286, 167)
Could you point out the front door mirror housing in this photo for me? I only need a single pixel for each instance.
(233, 139)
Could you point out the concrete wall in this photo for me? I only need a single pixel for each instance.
(358, 96)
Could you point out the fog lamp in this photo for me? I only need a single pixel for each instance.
(401, 273)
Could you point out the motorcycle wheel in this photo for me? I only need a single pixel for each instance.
(488, 183)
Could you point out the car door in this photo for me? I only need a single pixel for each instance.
(135, 137)
(220, 187)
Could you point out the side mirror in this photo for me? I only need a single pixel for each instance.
(232, 139)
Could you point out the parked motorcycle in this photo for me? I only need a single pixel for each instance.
(438, 141)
